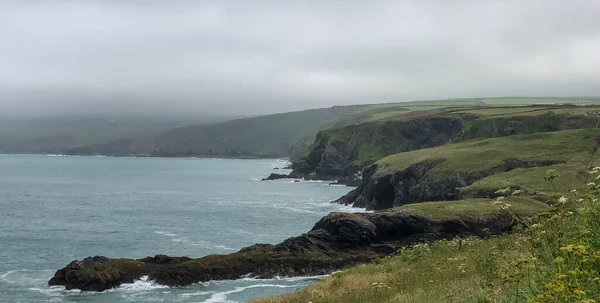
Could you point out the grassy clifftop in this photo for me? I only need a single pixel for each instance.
(476, 169)
(339, 152)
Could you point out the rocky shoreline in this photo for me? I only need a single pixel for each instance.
(337, 241)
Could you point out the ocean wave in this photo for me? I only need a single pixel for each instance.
(293, 209)
(25, 276)
(289, 279)
(141, 285)
(183, 240)
(54, 291)
(221, 297)
(165, 233)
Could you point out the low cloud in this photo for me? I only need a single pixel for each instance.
(272, 56)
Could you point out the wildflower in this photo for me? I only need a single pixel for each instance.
(559, 260)
(562, 200)
(579, 292)
(560, 276)
(573, 191)
(550, 175)
(576, 272)
(503, 191)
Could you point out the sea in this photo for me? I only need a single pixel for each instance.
(56, 209)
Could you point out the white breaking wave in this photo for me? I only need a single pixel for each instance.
(221, 297)
(164, 233)
(179, 239)
(289, 279)
(141, 285)
(54, 291)
(25, 276)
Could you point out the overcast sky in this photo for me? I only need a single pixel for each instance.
(254, 56)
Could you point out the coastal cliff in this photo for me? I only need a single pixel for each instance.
(342, 153)
(439, 174)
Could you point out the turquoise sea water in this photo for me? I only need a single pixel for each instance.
(57, 209)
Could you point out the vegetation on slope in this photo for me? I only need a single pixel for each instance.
(446, 172)
(486, 154)
(555, 259)
(264, 136)
(344, 151)
(54, 134)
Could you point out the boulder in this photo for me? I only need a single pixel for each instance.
(274, 176)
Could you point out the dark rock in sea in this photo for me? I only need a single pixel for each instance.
(353, 181)
(276, 177)
(338, 240)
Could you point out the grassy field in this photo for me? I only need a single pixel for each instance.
(474, 208)
(484, 154)
(531, 181)
(376, 112)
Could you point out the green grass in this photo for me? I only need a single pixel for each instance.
(437, 273)
(376, 112)
(474, 208)
(485, 154)
(531, 181)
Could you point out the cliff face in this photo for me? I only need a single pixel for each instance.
(517, 125)
(439, 173)
(343, 152)
(416, 184)
(336, 241)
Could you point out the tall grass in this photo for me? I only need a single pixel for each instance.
(555, 258)
(563, 260)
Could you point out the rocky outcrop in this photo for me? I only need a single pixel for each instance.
(274, 176)
(415, 184)
(336, 241)
(339, 153)
(342, 152)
